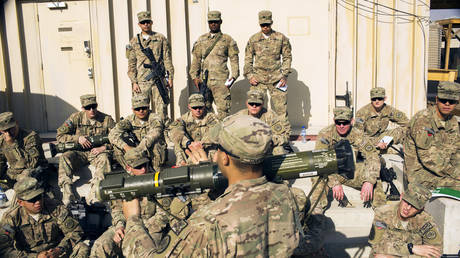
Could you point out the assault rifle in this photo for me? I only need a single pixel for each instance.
(388, 175)
(95, 140)
(203, 86)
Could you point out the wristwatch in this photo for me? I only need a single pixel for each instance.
(409, 247)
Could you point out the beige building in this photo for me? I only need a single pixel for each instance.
(51, 52)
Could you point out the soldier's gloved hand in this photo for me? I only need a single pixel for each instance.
(84, 142)
(367, 191)
(119, 235)
(337, 192)
(253, 81)
(197, 82)
(136, 88)
(98, 150)
(131, 208)
(426, 250)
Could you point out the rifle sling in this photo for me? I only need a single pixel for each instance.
(210, 48)
(143, 49)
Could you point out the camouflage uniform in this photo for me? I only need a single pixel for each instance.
(136, 60)
(281, 128)
(432, 149)
(22, 156)
(149, 133)
(253, 217)
(375, 124)
(215, 61)
(187, 129)
(367, 162)
(21, 235)
(78, 124)
(262, 61)
(391, 236)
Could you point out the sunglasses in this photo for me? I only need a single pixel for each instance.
(195, 108)
(141, 108)
(211, 22)
(35, 199)
(265, 25)
(451, 101)
(94, 106)
(254, 104)
(342, 123)
(145, 22)
(375, 99)
(9, 130)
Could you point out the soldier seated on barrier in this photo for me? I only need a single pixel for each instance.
(39, 226)
(158, 216)
(281, 128)
(20, 151)
(375, 117)
(88, 122)
(191, 129)
(405, 229)
(367, 163)
(146, 131)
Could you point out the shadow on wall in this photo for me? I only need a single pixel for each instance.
(38, 112)
(299, 101)
(238, 92)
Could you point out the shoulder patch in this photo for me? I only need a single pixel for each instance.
(70, 223)
(277, 128)
(359, 120)
(425, 228)
(369, 147)
(381, 225)
(431, 234)
(68, 123)
(324, 141)
(430, 131)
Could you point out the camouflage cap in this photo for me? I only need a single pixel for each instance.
(7, 121)
(378, 92)
(243, 137)
(88, 99)
(135, 158)
(214, 16)
(417, 195)
(140, 100)
(343, 113)
(27, 188)
(449, 90)
(255, 96)
(196, 100)
(144, 16)
(265, 17)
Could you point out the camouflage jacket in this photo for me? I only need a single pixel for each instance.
(364, 149)
(148, 133)
(375, 123)
(280, 129)
(263, 57)
(25, 153)
(22, 236)
(136, 59)
(78, 125)
(216, 61)
(389, 236)
(432, 144)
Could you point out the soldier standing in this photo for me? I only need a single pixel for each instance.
(375, 117)
(251, 215)
(148, 130)
(21, 149)
(192, 129)
(432, 148)
(262, 62)
(405, 229)
(88, 122)
(137, 72)
(39, 226)
(280, 127)
(210, 53)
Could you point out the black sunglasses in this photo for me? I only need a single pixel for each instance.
(265, 25)
(254, 104)
(141, 108)
(195, 108)
(375, 99)
(89, 107)
(9, 130)
(35, 199)
(209, 22)
(338, 122)
(451, 101)
(145, 22)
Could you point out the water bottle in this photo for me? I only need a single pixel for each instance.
(303, 134)
(3, 198)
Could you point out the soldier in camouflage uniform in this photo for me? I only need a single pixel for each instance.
(39, 227)
(148, 129)
(155, 214)
(432, 148)
(21, 149)
(210, 53)
(262, 62)
(367, 165)
(192, 129)
(375, 117)
(88, 122)
(405, 229)
(281, 128)
(136, 60)
(253, 217)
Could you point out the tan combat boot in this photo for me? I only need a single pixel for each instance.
(67, 194)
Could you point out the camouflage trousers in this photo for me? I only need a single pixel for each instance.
(220, 94)
(158, 106)
(379, 197)
(13, 175)
(157, 155)
(432, 181)
(279, 98)
(80, 250)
